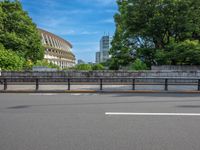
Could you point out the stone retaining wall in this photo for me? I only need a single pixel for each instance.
(114, 74)
(176, 67)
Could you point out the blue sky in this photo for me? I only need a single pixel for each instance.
(81, 22)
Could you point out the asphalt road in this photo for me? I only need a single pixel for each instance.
(79, 122)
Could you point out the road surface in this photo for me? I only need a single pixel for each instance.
(99, 122)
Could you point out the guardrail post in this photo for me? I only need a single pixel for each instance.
(166, 84)
(5, 84)
(199, 85)
(69, 84)
(133, 85)
(101, 84)
(37, 84)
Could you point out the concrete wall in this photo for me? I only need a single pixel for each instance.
(177, 67)
(148, 74)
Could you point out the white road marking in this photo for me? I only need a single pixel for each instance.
(43, 94)
(150, 114)
(76, 94)
(83, 94)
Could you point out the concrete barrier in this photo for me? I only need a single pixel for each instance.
(114, 74)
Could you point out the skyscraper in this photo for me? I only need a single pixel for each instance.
(103, 55)
(97, 57)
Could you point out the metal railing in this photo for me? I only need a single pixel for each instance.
(69, 81)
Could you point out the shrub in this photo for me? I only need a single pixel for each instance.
(83, 67)
(138, 65)
(98, 67)
(45, 63)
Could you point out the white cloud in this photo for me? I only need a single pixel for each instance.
(86, 43)
(62, 31)
(99, 2)
(105, 2)
(50, 3)
(72, 12)
(67, 32)
(107, 21)
(76, 32)
(88, 32)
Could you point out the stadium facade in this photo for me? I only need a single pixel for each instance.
(57, 50)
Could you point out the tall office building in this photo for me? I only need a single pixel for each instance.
(97, 57)
(103, 54)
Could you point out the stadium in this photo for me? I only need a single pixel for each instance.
(57, 50)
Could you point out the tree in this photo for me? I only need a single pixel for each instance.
(150, 26)
(138, 65)
(9, 60)
(184, 53)
(18, 33)
(98, 67)
(120, 50)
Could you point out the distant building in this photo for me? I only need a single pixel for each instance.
(90, 63)
(98, 57)
(80, 61)
(45, 69)
(103, 54)
(57, 50)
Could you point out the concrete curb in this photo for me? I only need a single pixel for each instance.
(106, 92)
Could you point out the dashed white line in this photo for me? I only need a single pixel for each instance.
(150, 114)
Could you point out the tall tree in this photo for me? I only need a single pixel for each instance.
(120, 50)
(150, 26)
(18, 32)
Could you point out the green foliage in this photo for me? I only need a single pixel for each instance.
(45, 63)
(162, 57)
(148, 55)
(157, 30)
(18, 32)
(114, 64)
(28, 65)
(184, 53)
(106, 63)
(120, 51)
(87, 67)
(138, 65)
(83, 67)
(9, 60)
(98, 67)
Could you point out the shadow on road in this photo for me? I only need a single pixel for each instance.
(110, 103)
(20, 107)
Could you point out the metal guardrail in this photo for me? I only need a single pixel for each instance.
(37, 81)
